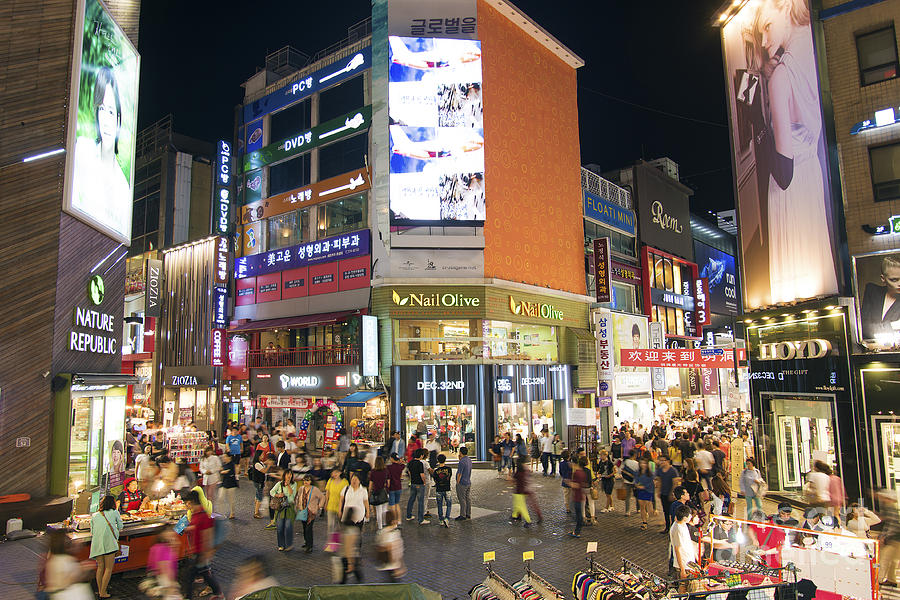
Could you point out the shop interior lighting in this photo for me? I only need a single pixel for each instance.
(46, 154)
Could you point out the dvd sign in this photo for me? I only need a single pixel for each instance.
(222, 189)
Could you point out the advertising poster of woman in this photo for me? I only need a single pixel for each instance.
(784, 197)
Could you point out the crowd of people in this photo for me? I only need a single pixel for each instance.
(676, 474)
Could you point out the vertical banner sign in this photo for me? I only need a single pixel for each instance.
(694, 381)
(221, 261)
(221, 209)
(218, 350)
(701, 295)
(369, 346)
(602, 283)
(152, 287)
(710, 381)
(657, 374)
(604, 347)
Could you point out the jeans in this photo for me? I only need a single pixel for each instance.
(443, 497)
(499, 464)
(507, 462)
(579, 516)
(519, 508)
(308, 532)
(394, 497)
(416, 495)
(465, 505)
(259, 490)
(751, 500)
(667, 509)
(226, 494)
(554, 458)
(285, 530)
(545, 461)
(193, 570)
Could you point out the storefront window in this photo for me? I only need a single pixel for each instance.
(623, 297)
(454, 425)
(444, 339)
(513, 419)
(339, 216)
(288, 229)
(98, 428)
(513, 341)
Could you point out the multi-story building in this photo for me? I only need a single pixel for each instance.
(815, 187)
(374, 184)
(66, 174)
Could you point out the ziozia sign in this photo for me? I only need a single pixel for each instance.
(815, 348)
(537, 310)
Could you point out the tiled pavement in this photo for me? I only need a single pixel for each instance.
(445, 560)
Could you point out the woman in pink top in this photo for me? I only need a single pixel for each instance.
(162, 562)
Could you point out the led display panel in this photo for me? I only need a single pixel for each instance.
(436, 132)
(786, 207)
(103, 124)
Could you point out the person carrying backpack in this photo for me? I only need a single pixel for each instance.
(629, 470)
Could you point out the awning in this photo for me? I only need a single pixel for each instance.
(287, 322)
(583, 335)
(357, 399)
(105, 379)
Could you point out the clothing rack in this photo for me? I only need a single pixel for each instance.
(635, 569)
(499, 586)
(541, 586)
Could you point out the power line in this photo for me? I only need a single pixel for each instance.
(651, 109)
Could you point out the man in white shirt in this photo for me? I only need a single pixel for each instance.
(546, 450)
(704, 461)
(211, 469)
(681, 547)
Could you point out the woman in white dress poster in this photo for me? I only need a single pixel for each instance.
(801, 264)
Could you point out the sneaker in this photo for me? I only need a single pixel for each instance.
(281, 548)
(410, 518)
(446, 523)
(289, 548)
(270, 526)
(574, 535)
(460, 518)
(425, 521)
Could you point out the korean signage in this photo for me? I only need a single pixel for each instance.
(327, 189)
(605, 362)
(304, 87)
(608, 213)
(152, 287)
(302, 141)
(433, 18)
(220, 306)
(602, 280)
(221, 208)
(436, 131)
(286, 402)
(720, 271)
(221, 266)
(326, 250)
(369, 346)
(623, 272)
(218, 351)
(701, 294)
(680, 359)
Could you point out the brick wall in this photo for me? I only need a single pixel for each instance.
(852, 104)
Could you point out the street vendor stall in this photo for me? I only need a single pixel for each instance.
(139, 534)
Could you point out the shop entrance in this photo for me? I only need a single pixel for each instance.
(453, 424)
(890, 447)
(801, 430)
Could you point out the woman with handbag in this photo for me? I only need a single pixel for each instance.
(106, 525)
(378, 490)
(257, 474)
(310, 501)
(284, 494)
(606, 469)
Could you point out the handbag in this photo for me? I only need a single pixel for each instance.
(379, 497)
(303, 515)
(276, 503)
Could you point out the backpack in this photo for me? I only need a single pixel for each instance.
(628, 473)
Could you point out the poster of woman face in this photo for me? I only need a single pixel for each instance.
(103, 125)
(784, 197)
(876, 279)
(629, 332)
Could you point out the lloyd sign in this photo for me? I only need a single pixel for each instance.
(815, 348)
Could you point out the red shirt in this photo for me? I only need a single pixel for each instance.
(580, 478)
(395, 476)
(200, 524)
(768, 538)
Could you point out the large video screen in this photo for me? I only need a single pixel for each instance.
(720, 270)
(436, 132)
(784, 197)
(102, 126)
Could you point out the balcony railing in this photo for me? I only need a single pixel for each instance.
(303, 357)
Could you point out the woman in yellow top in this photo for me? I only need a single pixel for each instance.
(333, 489)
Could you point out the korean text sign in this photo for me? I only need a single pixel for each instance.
(309, 253)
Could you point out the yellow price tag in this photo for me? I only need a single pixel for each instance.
(488, 556)
(528, 555)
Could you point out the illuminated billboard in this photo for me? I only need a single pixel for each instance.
(780, 165)
(436, 132)
(720, 270)
(102, 124)
(876, 283)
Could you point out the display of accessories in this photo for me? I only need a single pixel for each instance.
(188, 445)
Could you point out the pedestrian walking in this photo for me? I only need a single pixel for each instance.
(534, 449)
(62, 575)
(200, 548)
(629, 471)
(343, 446)
(443, 476)
(464, 484)
(351, 542)
(546, 443)
(310, 501)
(565, 473)
(389, 548)
(283, 499)
(520, 509)
(558, 446)
(606, 471)
(752, 483)
(496, 450)
(378, 490)
(644, 487)
(252, 575)
(416, 469)
(355, 502)
(519, 452)
(395, 485)
(106, 525)
(211, 468)
(257, 475)
(682, 548)
(668, 477)
(229, 485)
(721, 491)
(509, 449)
(578, 483)
(333, 491)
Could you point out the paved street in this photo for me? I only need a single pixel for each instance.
(446, 560)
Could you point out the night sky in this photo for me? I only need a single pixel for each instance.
(652, 84)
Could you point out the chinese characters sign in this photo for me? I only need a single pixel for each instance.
(329, 249)
(679, 359)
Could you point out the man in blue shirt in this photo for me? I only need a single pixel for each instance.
(463, 483)
(233, 441)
